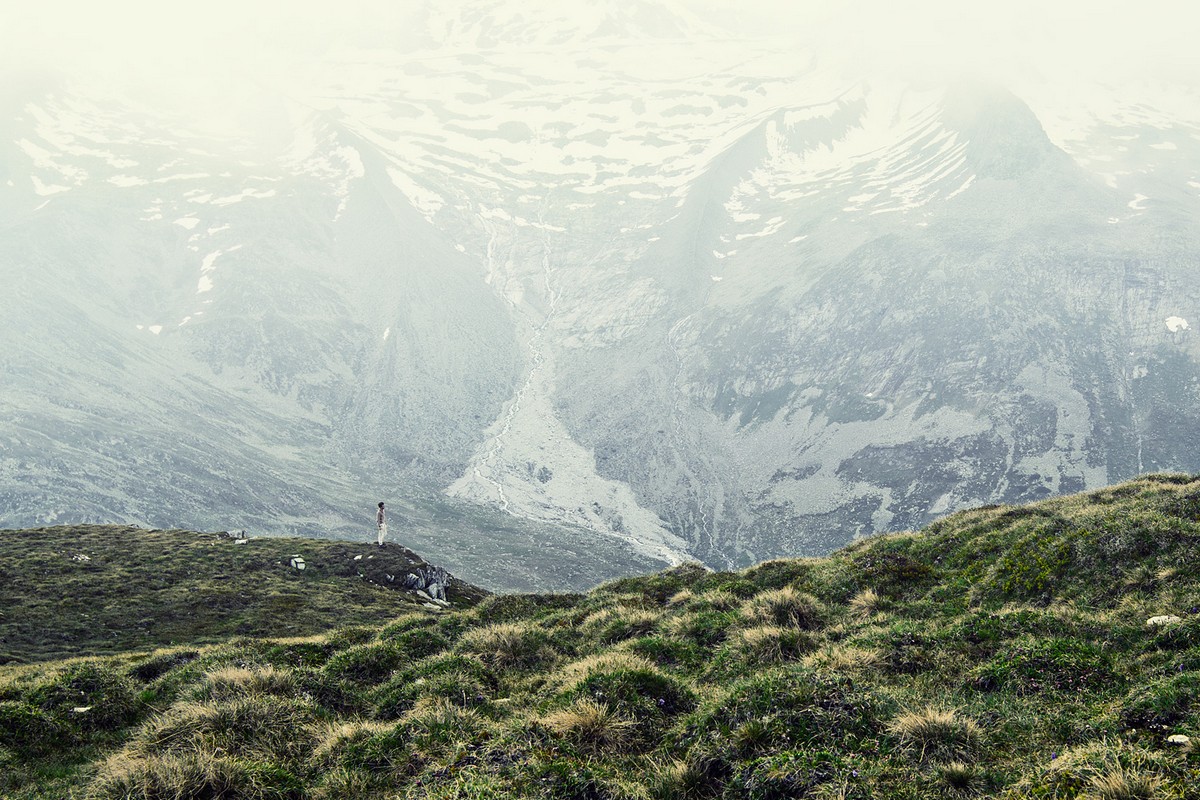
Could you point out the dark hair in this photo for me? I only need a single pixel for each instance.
(381, 504)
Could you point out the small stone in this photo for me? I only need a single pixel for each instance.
(358, 557)
(298, 562)
(1179, 740)
(1163, 619)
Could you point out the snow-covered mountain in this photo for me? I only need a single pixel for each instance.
(645, 287)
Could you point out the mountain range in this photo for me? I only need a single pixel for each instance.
(617, 293)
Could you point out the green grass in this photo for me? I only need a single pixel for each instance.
(98, 589)
(1001, 652)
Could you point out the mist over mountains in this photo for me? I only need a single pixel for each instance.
(620, 280)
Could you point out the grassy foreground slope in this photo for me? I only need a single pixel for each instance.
(1002, 652)
(92, 589)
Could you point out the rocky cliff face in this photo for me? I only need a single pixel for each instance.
(674, 301)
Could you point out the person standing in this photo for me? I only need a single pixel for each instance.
(381, 522)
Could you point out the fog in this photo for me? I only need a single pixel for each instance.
(213, 61)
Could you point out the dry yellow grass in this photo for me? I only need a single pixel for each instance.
(334, 737)
(609, 661)
(1110, 770)
(865, 605)
(229, 682)
(682, 597)
(268, 728)
(1118, 783)
(958, 776)
(785, 607)
(770, 643)
(591, 726)
(509, 645)
(937, 734)
(845, 659)
(178, 776)
(615, 624)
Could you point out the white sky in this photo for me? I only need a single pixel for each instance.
(205, 53)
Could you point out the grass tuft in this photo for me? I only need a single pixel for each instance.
(785, 607)
(1120, 784)
(193, 775)
(865, 605)
(591, 726)
(937, 734)
(512, 645)
(231, 682)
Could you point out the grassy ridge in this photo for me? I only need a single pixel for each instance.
(92, 589)
(1002, 652)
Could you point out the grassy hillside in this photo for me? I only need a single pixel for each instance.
(1002, 652)
(94, 589)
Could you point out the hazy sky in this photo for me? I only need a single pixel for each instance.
(200, 53)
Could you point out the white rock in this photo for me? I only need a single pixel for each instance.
(1179, 739)
(358, 557)
(1163, 619)
(298, 562)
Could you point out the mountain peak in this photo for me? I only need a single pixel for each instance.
(1005, 139)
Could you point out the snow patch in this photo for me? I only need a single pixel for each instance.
(1165, 146)
(1176, 324)
(1138, 203)
(427, 202)
(155, 329)
(44, 189)
(187, 223)
(126, 181)
(190, 176)
(386, 334)
(243, 195)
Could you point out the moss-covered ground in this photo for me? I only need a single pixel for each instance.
(102, 589)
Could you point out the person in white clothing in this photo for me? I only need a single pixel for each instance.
(381, 522)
